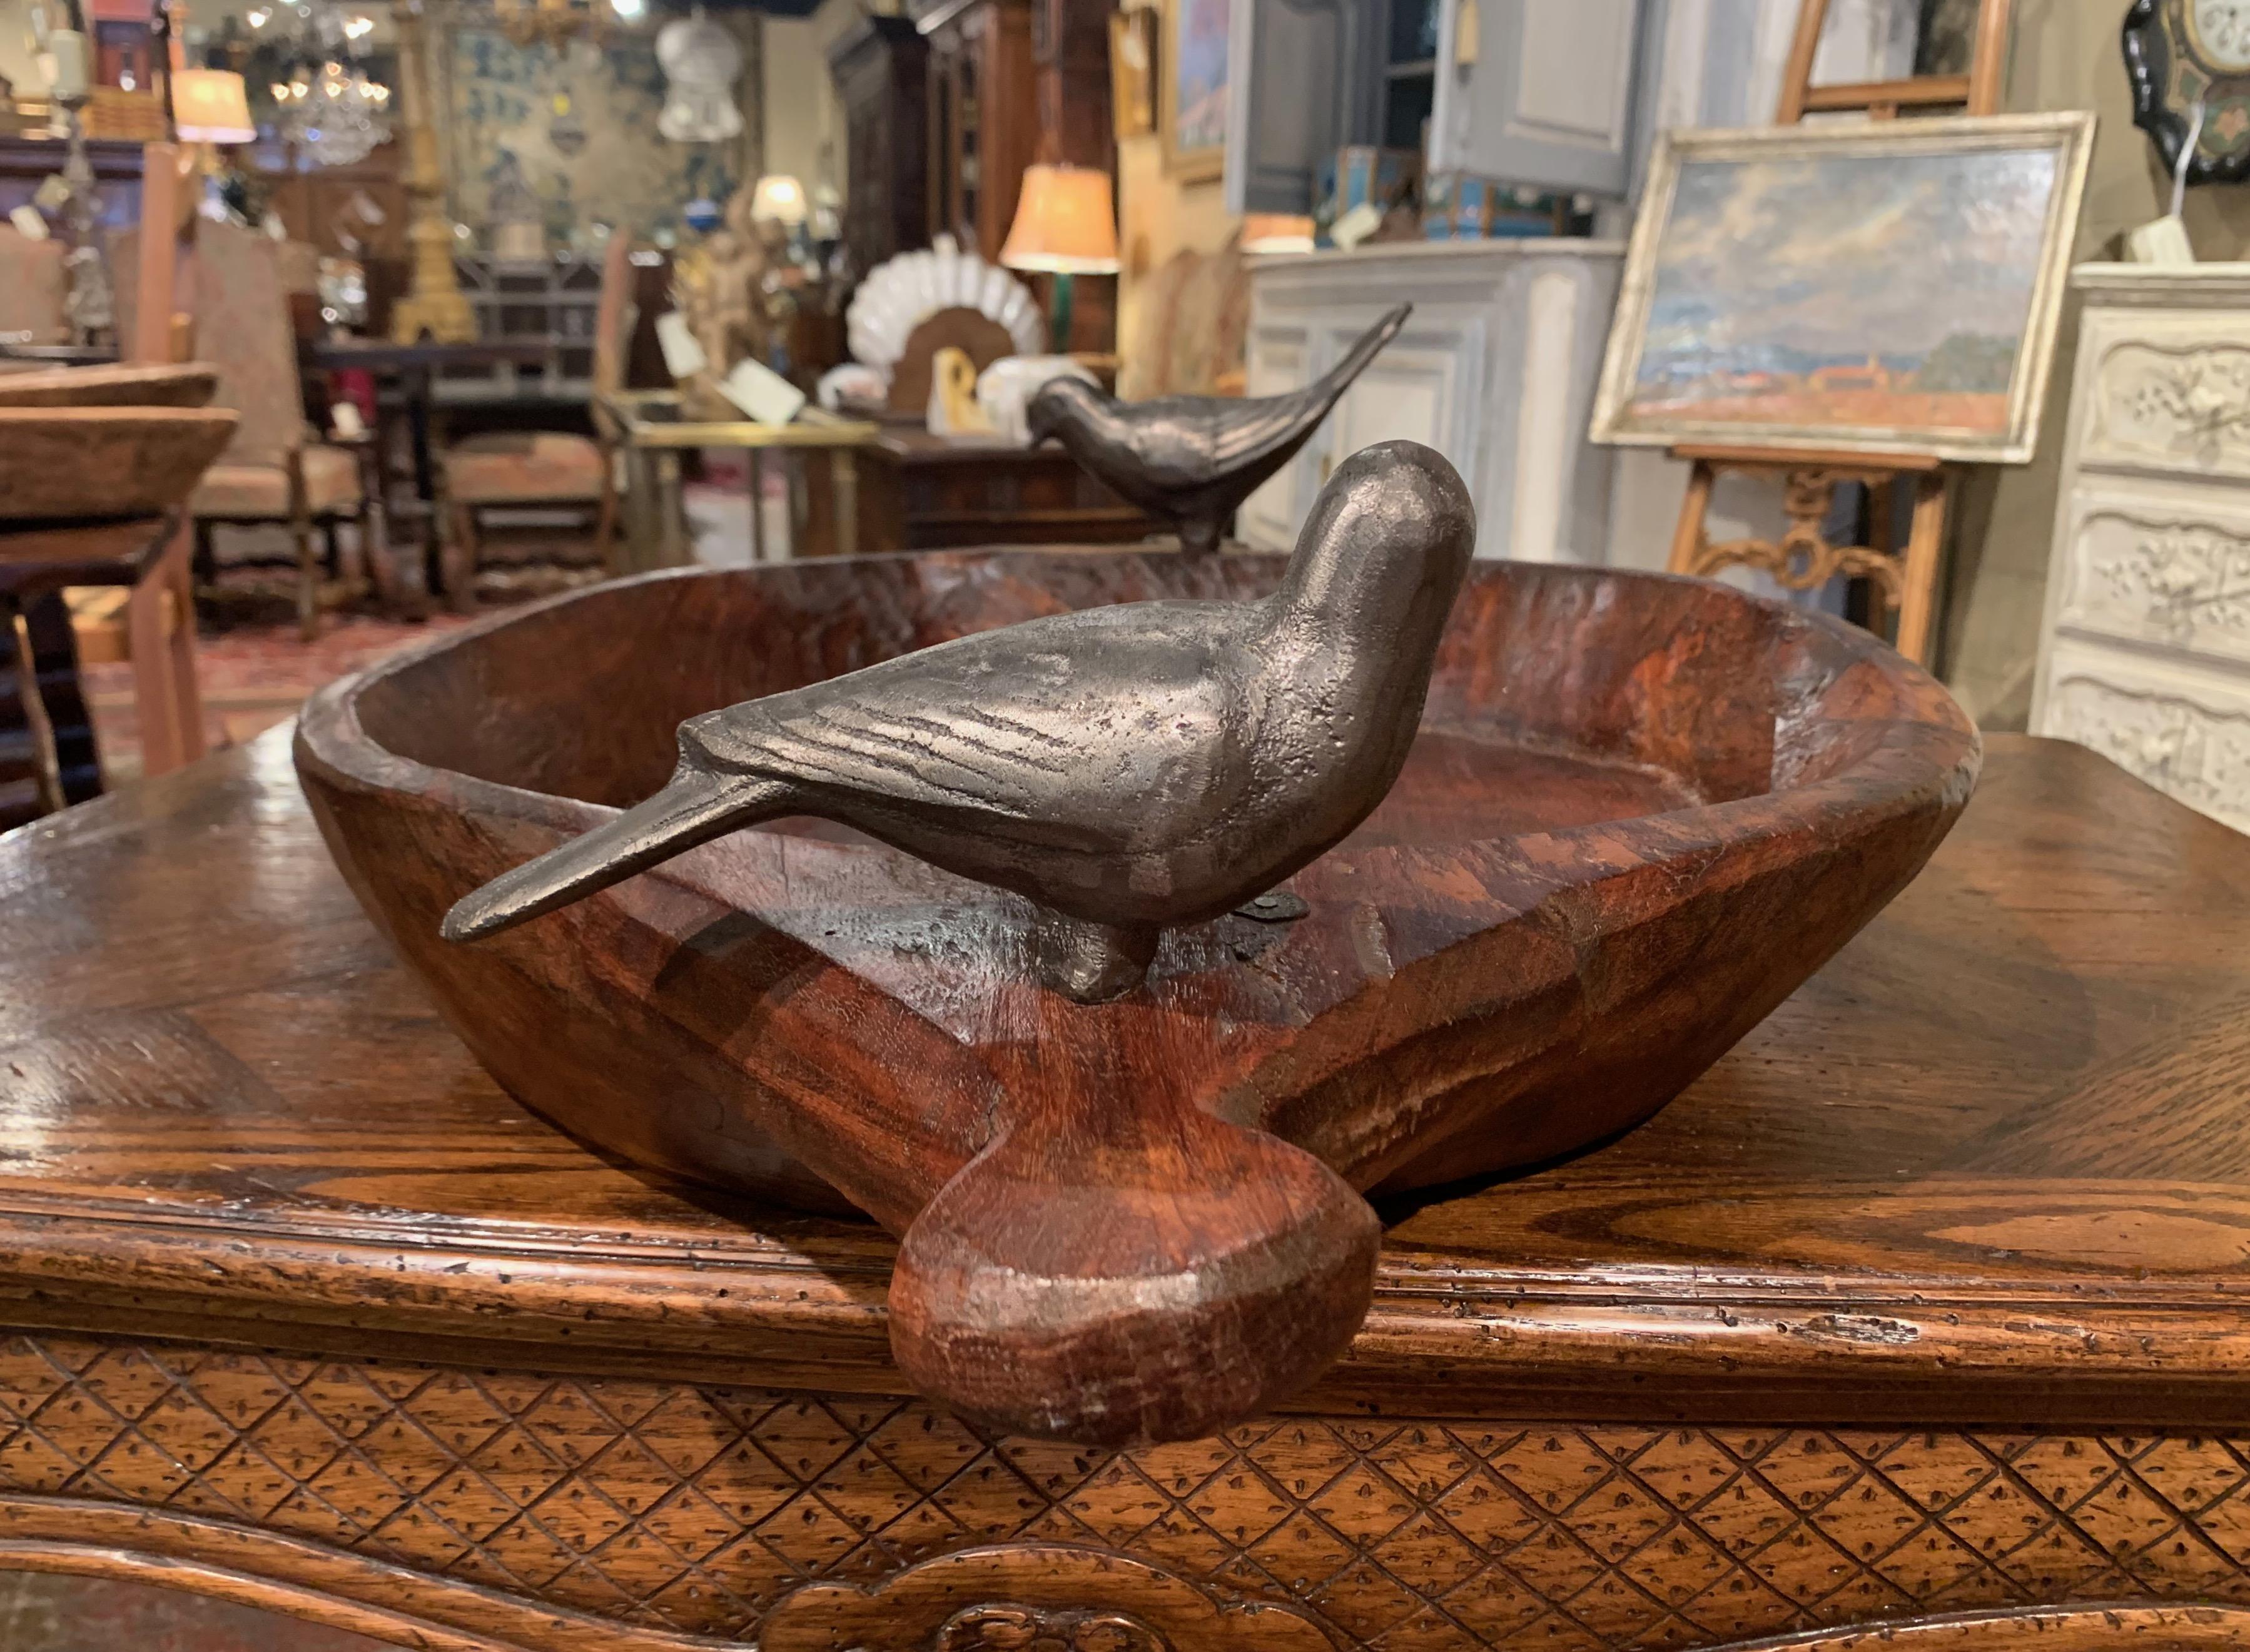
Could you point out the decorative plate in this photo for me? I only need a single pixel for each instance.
(898, 296)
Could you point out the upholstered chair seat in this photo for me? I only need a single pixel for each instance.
(250, 492)
(525, 467)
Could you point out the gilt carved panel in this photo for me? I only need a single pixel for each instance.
(534, 1509)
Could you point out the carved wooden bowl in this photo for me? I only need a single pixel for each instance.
(1641, 811)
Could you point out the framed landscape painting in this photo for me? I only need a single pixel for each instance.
(1196, 77)
(1887, 289)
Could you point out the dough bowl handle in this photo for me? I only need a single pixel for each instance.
(1117, 1265)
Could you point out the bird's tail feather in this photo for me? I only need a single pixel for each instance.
(1337, 379)
(694, 808)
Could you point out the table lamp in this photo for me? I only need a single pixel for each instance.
(1066, 225)
(780, 197)
(212, 106)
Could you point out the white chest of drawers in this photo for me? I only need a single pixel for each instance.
(2144, 652)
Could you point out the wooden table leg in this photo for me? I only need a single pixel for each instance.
(176, 578)
(793, 491)
(422, 440)
(844, 479)
(672, 552)
(637, 524)
(757, 469)
(160, 627)
(34, 755)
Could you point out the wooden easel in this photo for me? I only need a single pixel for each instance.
(1802, 557)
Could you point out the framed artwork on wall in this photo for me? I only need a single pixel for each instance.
(1194, 76)
(1888, 290)
(1133, 71)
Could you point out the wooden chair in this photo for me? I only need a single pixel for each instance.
(544, 469)
(276, 471)
(93, 482)
(114, 441)
(160, 613)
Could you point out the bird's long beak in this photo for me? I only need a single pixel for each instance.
(692, 809)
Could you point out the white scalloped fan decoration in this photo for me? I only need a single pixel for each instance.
(898, 296)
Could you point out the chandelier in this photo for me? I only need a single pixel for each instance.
(335, 114)
(326, 103)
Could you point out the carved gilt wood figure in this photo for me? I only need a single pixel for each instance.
(1128, 769)
(1195, 459)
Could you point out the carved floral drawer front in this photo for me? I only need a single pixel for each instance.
(2169, 569)
(573, 1514)
(2144, 652)
(2169, 397)
(2186, 732)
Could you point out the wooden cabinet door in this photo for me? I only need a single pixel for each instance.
(1420, 389)
(1306, 79)
(1541, 93)
(1410, 392)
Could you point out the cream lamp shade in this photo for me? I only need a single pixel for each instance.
(210, 105)
(780, 197)
(1066, 223)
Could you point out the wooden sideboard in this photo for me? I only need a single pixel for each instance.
(921, 491)
(2144, 652)
(1923, 1306)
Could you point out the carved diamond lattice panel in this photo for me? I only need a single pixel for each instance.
(694, 1509)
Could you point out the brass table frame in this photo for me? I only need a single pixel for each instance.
(655, 532)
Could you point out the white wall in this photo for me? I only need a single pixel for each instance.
(802, 114)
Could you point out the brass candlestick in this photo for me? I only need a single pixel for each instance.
(433, 304)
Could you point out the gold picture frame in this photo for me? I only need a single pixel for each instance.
(1818, 288)
(1193, 76)
(1132, 72)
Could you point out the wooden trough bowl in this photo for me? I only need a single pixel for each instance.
(1641, 811)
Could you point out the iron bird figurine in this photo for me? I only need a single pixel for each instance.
(1195, 459)
(1127, 768)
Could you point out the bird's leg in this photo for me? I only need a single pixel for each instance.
(1199, 535)
(1092, 963)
